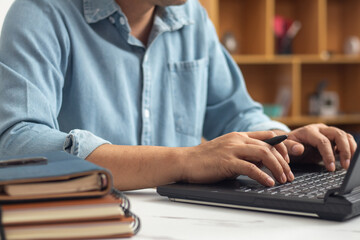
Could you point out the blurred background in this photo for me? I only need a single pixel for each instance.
(4, 7)
(299, 58)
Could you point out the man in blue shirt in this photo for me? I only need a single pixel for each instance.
(133, 86)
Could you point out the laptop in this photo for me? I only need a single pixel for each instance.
(315, 192)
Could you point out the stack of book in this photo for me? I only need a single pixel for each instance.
(59, 196)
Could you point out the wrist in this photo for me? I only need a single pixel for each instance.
(181, 156)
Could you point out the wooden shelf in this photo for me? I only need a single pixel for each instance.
(317, 52)
(335, 59)
(290, 59)
(261, 59)
(352, 119)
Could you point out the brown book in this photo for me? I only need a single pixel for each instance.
(117, 228)
(107, 207)
(86, 183)
(90, 218)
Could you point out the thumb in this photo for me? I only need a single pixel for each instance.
(294, 148)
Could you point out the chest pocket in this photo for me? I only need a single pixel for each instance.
(189, 91)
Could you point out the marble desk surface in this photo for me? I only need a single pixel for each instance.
(162, 219)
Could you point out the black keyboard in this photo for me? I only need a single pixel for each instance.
(309, 185)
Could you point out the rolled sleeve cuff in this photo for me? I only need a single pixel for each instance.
(271, 125)
(81, 143)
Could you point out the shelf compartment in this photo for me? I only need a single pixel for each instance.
(343, 20)
(344, 79)
(246, 20)
(264, 81)
(307, 12)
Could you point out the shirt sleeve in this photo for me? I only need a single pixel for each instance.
(34, 57)
(229, 105)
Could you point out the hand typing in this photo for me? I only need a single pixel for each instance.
(324, 141)
(236, 154)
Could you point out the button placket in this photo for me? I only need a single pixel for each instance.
(146, 113)
(146, 131)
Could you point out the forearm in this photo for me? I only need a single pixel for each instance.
(135, 167)
(226, 157)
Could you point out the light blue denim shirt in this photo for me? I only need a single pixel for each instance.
(73, 78)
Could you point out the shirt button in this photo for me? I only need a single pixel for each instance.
(112, 20)
(122, 20)
(146, 113)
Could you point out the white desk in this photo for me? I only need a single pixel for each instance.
(162, 219)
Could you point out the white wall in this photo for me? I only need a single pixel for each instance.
(4, 7)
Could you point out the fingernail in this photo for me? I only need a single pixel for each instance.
(331, 166)
(296, 149)
(283, 178)
(347, 163)
(270, 182)
(287, 159)
(291, 176)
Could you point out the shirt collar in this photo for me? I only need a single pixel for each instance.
(96, 10)
(171, 18)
